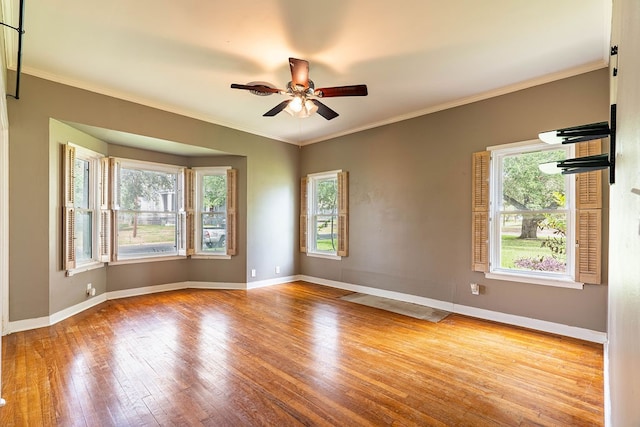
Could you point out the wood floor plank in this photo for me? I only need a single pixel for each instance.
(290, 355)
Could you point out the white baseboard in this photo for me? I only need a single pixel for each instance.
(496, 316)
(441, 305)
(26, 325)
(530, 323)
(510, 319)
(216, 285)
(271, 282)
(78, 308)
(41, 322)
(146, 290)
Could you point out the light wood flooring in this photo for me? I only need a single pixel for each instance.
(290, 355)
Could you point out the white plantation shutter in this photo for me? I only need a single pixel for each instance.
(190, 233)
(68, 212)
(232, 211)
(104, 244)
(189, 224)
(589, 184)
(181, 226)
(114, 204)
(114, 172)
(69, 161)
(480, 211)
(304, 225)
(588, 218)
(589, 229)
(343, 214)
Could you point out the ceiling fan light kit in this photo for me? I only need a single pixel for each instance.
(303, 100)
(300, 107)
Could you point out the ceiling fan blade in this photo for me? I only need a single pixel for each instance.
(299, 72)
(256, 88)
(275, 110)
(353, 90)
(325, 111)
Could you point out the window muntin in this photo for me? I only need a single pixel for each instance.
(323, 213)
(211, 210)
(532, 213)
(149, 205)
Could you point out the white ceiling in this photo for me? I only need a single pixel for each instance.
(416, 56)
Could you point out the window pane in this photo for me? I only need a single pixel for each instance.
(326, 233)
(81, 184)
(214, 232)
(323, 197)
(146, 234)
(534, 242)
(214, 193)
(83, 235)
(526, 187)
(213, 205)
(326, 196)
(146, 190)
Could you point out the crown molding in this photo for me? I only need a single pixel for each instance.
(593, 66)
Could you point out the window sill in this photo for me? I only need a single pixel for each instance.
(558, 283)
(149, 259)
(85, 267)
(326, 256)
(208, 256)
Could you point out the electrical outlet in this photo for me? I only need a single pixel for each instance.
(253, 272)
(475, 288)
(89, 286)
(277, 269)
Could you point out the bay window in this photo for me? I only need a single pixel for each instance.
(123, 210)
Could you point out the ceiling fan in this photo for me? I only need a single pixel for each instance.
(303, 95)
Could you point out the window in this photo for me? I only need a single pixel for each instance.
(83, 220)
(148, 209)
(524, 221)
(324, 214)
(84, 209)
(120, 210)
(211, 210)
(532, 213)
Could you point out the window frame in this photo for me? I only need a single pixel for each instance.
(72, 153)
(117, 164)
(198, 174)
(567, 279)
(308, 229)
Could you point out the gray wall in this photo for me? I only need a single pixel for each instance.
(410, 201)
(268, 175)
(63, 291)
(410, 191)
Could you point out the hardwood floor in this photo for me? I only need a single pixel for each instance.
(289, 355)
